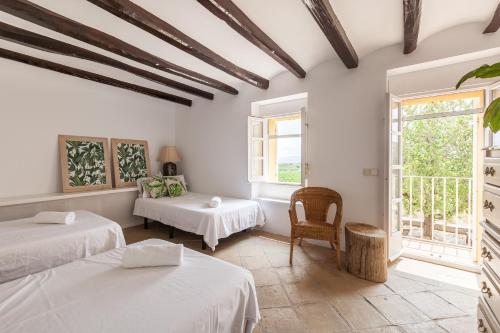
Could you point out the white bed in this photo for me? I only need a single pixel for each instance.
(95, 294)
(192, 213)
(27, 247)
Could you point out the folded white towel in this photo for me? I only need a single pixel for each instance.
(152, 255)
(55, 217)
(215, 202)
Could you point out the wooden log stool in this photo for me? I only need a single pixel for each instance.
(366, 252)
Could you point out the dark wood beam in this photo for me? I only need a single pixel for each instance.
(37, 62)
(31, 39)
(324, 15)
(494, 23)
(145, 20)
(50, 20)
(412, 10)
(227, 11)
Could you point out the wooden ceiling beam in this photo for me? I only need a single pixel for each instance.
(36, 14)
(412, 11)
(31, 39)
(145, 20)
(494, 23)
(227, 11)
(324, 15)
(41, 63)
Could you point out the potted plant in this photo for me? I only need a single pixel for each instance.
(492, 113)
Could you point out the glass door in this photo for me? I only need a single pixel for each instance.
(394, 178)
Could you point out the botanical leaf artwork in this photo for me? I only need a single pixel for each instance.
(131, 161)
(175, 187)
(86, 163)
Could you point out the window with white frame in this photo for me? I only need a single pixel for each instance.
(276, 148)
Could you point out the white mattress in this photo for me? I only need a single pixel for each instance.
(96, 295)
(191, 213)
(27, 247)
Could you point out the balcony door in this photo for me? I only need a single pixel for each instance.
(394, 176)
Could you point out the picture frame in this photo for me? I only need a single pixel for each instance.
(84, 163)
(130, 161)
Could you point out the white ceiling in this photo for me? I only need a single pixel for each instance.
(369, 24)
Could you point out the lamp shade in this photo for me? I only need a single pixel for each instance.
(169, 154)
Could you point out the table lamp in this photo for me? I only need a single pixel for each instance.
(169, 156)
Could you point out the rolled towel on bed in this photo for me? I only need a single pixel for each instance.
(55, 217)
(215, 202)
(153, 255)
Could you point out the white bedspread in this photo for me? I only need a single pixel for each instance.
(192, 213)
(27, 247)
(96, 294)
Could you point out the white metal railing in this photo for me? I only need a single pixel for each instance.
(438, 209)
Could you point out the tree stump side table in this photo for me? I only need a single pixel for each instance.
(366, 251)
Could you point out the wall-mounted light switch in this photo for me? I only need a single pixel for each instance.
(370, 172)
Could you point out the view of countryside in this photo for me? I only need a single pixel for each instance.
(288, 150)
(437, 172)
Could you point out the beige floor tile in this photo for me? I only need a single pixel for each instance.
(250, 250)
(387, 329)
(433, 306)
(283, 260)
(272, 296)
(459, 325)
(304, 292)
(293, 274)
(256, 262)
(265, 277)
(377, 289)
(321, 318)
(464, 302)
(397, 310)
(359, 314)
(280, 320)
(402, 285)
(231, 258)
(427, 327)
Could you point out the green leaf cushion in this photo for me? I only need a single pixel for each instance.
(175, 187)
(179, 178)
(156, 188)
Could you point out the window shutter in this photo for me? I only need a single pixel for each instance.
(256, 149)
(303, 153)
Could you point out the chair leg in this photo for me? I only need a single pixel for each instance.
(339, 263)
(292, 239)
(300, 242)
(332, 246)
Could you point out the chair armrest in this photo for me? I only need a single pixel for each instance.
(293, 216)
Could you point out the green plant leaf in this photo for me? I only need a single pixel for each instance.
(492, 116)
(483, 72)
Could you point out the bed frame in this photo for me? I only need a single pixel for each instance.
(171, 231)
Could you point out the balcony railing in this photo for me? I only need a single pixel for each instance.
(438, 209)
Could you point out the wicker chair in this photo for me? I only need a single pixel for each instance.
(316, 202)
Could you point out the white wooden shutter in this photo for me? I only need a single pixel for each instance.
(303, 152)
(256, 149)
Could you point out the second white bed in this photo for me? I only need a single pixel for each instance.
(27, 247)
(192, 213)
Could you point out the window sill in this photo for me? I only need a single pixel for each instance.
(276, 183)
(284, 201)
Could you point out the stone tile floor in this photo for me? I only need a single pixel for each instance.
(313, 296)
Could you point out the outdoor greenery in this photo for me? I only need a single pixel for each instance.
(492, 113)
(438, 147)
(289, 173)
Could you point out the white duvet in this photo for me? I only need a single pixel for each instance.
(27, 247)
(97, 295)
(192, 213)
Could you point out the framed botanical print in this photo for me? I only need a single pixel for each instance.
(84, 163)
(130, 161)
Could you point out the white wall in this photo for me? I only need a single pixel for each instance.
(36, 105)
(346, 134)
